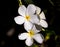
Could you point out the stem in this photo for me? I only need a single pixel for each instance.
(20, 2)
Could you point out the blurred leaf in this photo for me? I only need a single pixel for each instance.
(51, 3)
(10, 32)
(48, 33)
(28, 1)
(56, 37)
(47, 36)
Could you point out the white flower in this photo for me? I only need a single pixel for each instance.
(27, 16)
(38, 10)
(42, 17)
(30, 35)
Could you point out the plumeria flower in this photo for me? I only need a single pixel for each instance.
(27, 16)
(30, 35)
(42, 17)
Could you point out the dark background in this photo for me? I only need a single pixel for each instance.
(9, 10)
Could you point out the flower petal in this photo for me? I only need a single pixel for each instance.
(29, 41)
(19, 20)
(35, 30)
(43, 23)
(22, 36)
(38, 10)
(34, 19)
(31, 9)
(22, 10)
(28, 25)
(38, 38)
(42, 15)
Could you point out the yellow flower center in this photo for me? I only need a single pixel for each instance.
(27, 17)
(31, 33)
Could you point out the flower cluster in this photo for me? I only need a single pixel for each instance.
(29, 17)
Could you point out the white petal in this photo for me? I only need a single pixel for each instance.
(31, 9)
(19, 20)
(28, 25)
(42, 15)
(38, 10)
(22, 36)
(43, 23)
(35, 30)
(22, 10)
(38, 38)
(34, 19)
(29, 41)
